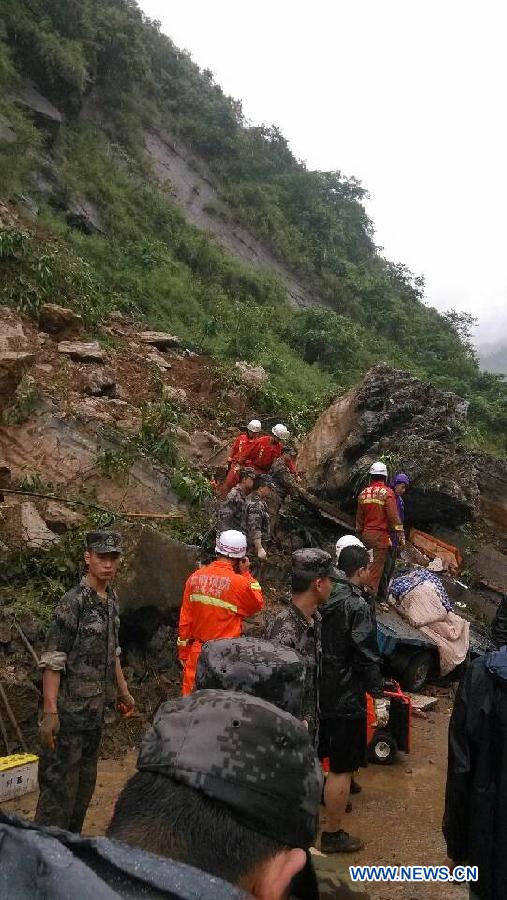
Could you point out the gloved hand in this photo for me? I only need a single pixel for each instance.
(381, 712)
(127, 699)
(261, 553)
(48, 731)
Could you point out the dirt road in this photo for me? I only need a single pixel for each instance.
(398, 814)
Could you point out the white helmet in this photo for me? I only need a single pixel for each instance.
(254, 426)
(348, 540)
(378, 468)
(231, 543)
(281, 432)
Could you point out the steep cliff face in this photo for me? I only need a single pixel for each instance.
(415, 428)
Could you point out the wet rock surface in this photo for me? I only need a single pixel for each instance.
(416, 427)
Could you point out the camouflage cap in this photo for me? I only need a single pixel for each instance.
(264, 481)
(247, 472)
(246, 753)
(314, 563)
(253, 666)
(104, 541)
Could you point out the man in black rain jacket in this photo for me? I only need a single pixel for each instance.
(350, 667)
(475, 817)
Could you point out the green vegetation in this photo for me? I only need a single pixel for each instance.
(105, 57)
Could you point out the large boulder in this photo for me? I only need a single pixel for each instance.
(492, 480)
(54, 319)
(157, 569)
(412, 425)
(13, 365)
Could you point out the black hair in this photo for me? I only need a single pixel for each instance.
(378, 478)
(160, 815)
(302, 583)
(352, 559)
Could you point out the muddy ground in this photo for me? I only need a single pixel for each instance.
(398, 814)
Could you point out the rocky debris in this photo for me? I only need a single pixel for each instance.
(108, 412)
(491, 568)
(84, 215)
(81, 351)
(491, 474)
(13, 365)
(160, 361)
(394, 415)
(61, 518)
(174, 394)
(155, 573)
(12, 335)
(159, 339)
(25, 527)
(53, 318)
(253, 376)
(199, 447)
(44, 369)
(5, 478)
(100, 382)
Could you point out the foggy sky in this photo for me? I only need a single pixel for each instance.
(408, 97)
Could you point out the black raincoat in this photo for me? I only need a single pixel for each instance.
(57, 865)
(475, 818)
(350, 657)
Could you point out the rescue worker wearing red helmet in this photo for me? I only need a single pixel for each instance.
(216, 599)
(262, 453)
(239, 447)
(377, 515)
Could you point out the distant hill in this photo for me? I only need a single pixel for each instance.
(494, 360)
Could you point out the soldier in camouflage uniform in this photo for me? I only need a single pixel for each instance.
(228, 783)
(230, 514)
(298, 626)
(82, 673)
(284, 476)
(255, 521)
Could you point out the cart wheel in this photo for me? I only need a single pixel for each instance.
(382, 749)
(418, 671)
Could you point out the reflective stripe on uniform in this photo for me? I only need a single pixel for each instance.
(364, 501)
(212, 601)
(255, 586)
(182, 643)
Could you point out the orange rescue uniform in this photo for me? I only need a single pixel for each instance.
(377, 515)
(239, 447)
(262, 453)
(215, 601)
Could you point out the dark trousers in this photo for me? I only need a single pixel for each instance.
(67, 778)
(387, 574)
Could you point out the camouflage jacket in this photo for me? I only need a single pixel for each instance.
(230, 513)
(284, 479)
(292, 629)
(82, 644)
(255, 520)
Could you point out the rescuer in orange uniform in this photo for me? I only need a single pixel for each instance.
(215, 601)
(262, 453)
(242, 443)
(377, 515)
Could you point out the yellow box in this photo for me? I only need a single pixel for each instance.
(18, 775)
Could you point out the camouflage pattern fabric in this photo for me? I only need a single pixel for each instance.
(67, 778)
(104, 541)
(311, 562)
(244, 752)
(292, 629)
(255, 521)
(253, 666)
(230, 514)
(82, 643)
(285, 482)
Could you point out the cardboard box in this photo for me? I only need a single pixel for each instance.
(18, 775)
